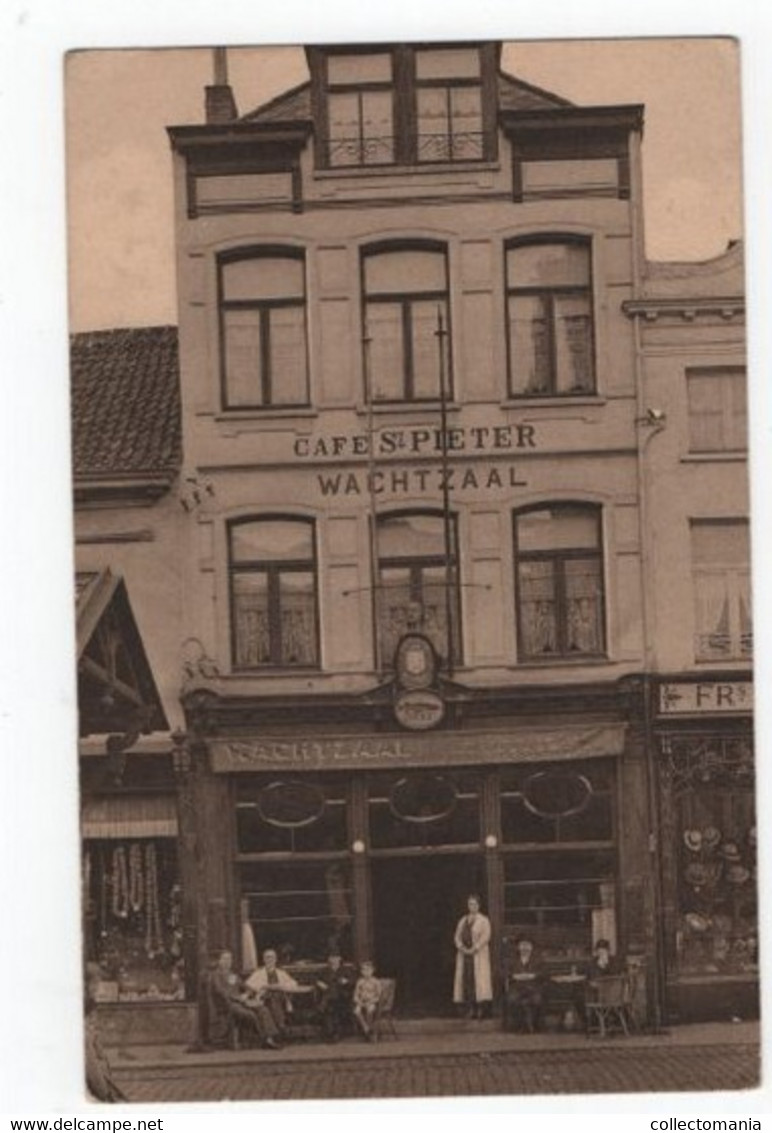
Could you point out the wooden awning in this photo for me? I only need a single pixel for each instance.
(116, 689)
(129, 816)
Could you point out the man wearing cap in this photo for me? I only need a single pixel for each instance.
(335, 986)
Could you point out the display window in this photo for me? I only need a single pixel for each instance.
(302, 909)
(133, 917)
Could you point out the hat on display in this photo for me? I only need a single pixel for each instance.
(711, 836)
(693, 839)
(738, 874)
(730, 851)
(697, 923)
(696, 874)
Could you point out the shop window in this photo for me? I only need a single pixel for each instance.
(559, 574)
(449, 105)
(275, 815)
(714, 820)
(263, 329)
(423, 809)
(273, 593)
(416, 590)
(133, 917)
(405, 305)
(300, 909)
(360, 110)
(721, 573)
(718, 414)
(549, 318)
(557, 824)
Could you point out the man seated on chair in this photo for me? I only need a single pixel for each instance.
(272, 987)
(525, 992)
(367, 995)
(602, 962)
(335, 986)
(230, 1001)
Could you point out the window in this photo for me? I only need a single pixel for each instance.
(559, 582)
(273, 593)
(721, 571)
(406, 296)
(360, 110)
(549, 317)
(718, 415)
(263, 329)
(449, 114)
(414, 591)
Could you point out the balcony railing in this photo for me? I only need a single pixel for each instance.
(357, 151)
(723, 646)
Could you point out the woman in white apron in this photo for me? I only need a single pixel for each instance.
(472, 984)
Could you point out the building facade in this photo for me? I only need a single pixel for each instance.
(416, 566)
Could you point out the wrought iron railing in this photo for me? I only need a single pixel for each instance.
(343, 152)
(716, 646)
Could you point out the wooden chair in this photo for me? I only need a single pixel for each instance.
(384, 1016)
(608, 1005)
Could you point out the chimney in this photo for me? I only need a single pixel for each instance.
(220, 103)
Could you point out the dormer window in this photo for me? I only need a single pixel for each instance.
(360, 110)
(405, 105)
(449, 105)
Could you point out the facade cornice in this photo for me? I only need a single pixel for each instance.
(686, 308)
(126, 490)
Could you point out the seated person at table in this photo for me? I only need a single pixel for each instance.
(602, 963)
(335, 986)
(525, 995)
(228, 1000)
(272, 987)
(367, 994)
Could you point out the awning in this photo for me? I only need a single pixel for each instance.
(129, 816)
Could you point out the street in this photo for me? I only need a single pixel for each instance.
(596, 1069)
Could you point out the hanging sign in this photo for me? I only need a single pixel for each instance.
(419, 709)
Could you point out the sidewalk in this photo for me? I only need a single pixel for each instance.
(427, 1038)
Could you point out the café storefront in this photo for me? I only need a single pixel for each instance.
(371, 841)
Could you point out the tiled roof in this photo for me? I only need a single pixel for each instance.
(125, 391)
(514, 94)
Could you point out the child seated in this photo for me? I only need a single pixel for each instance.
(367, 994)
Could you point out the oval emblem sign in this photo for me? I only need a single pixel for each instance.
(419, 709)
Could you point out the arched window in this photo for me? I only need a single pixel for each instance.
(549, 317)
(416, 590)
(273, 593)
(559, 582)
(405, 302)
(264, 353)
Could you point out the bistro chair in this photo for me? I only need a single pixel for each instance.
(384, 1018)
(608, 1005)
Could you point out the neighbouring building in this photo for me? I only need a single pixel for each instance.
(691, 332)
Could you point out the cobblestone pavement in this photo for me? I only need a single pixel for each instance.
(523, 1072)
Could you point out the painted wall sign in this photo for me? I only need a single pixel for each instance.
(417, 750)
(409, 481)
(420, 440)
(697, 698)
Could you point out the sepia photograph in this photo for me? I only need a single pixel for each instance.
(412, 569)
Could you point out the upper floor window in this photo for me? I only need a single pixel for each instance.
(559, 565)
(721, 572)
(549, 318)
(416, 590)
(718, 414)
(263, 329)
(273, 593)
(449, 108)
(405, 303)
(360, 110)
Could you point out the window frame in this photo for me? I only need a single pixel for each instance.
(415, 564)
(448, 84)
(733, 373)
(559, 557)
(733, 575)
(264, 365)
(332, 88)
(549, 295)
(273, 569)
(405, 299)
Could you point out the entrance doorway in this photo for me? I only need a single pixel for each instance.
(417, 902)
